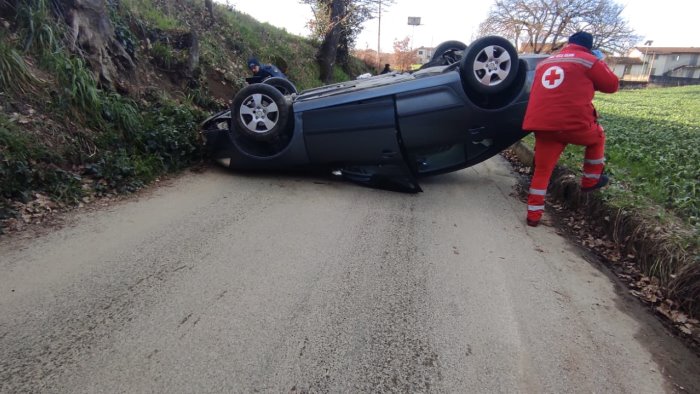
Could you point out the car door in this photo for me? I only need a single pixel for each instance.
(433, 124)
(357, 132)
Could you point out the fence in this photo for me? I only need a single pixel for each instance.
(673, 81)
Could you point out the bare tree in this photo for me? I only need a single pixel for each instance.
(610, 31)
(541, 26)
(403, 55)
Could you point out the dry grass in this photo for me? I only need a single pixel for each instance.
(685, 287)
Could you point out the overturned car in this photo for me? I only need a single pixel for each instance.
(463, 107)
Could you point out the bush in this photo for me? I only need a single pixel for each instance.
(14, 73)
(114, 171)
(139, 146)
(26, 167)
(171, 134)
(78, 87)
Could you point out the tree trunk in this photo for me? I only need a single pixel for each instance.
(342, 56)
(193, 61)
(92, 34)
(329, 47)
(209, 4)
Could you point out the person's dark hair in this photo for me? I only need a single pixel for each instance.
(582, 38)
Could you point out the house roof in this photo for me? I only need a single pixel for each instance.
(623, 60)
(667, 50)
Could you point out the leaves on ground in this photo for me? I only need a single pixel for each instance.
(580, 228)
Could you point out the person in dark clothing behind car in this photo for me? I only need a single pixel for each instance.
(386, 70)
(560, 112)
(264, 71)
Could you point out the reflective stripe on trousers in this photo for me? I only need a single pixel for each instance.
(548, 147)
(535, 203)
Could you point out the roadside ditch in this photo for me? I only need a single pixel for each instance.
(630, 245)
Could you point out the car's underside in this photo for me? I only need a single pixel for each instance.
(385, 131)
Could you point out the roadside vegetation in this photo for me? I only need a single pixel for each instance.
(72, 131)
(654, 146)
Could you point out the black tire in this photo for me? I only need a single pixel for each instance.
(448, 52)
(219, 121)
(490, 65)
(260, 112)
(281, 84)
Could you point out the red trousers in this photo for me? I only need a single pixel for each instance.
(548, 147)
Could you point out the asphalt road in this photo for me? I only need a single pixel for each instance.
(221, 282)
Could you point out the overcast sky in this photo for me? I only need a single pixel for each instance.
(668, 23)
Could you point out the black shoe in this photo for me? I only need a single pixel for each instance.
(602, 182)
(533, 223)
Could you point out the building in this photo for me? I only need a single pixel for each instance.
(670, 62)
(424, 54)
(659, 65)
(627, 68)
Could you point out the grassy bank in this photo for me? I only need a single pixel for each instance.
(68, 137)
(654, 145)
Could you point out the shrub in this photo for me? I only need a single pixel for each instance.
(79, 88)
(14, 73)
(26, 167)
(170, 133)
(37, 27)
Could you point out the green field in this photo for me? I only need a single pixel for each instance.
(653, 149)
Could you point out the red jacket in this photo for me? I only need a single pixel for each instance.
(562, 92)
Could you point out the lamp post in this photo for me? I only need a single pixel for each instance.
(413, 21)
(379, 34)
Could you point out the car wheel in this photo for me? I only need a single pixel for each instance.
(260, 112)
(218, 121)
(449, 51)
(490, 65)
(445, 54)
(282, 84)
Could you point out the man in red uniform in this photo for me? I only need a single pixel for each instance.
(560, 112)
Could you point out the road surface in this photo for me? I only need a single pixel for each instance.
(222, 282)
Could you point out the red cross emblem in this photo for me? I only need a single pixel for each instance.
(553, 77)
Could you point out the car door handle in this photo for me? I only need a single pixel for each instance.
(477, 130)
(388, 154)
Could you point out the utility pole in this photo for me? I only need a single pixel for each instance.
(647, 44)
(651, 66)
(413, 21)
(379, 35)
